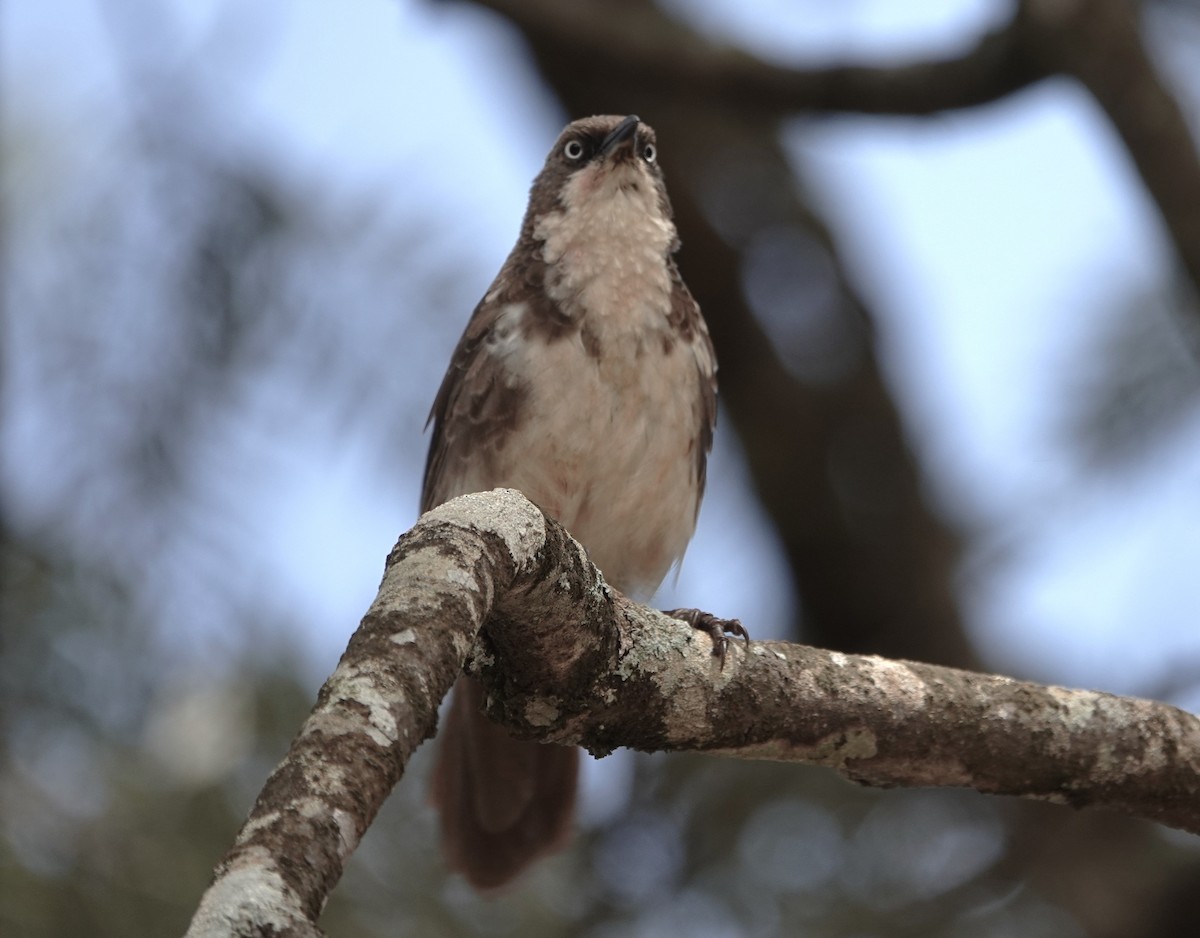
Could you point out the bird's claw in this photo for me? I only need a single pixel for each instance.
(716, 628)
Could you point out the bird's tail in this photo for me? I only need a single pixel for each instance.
(504, 802)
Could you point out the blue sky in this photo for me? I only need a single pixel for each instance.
(988, 243)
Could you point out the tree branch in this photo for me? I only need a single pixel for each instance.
(649, 46)
(567, 659)
(1100, 43)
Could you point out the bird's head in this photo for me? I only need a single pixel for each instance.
(603, 170)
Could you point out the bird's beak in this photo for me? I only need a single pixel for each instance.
(622, 132)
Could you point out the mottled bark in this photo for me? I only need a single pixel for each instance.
(569, 660)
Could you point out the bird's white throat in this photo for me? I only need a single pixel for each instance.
(606, 249)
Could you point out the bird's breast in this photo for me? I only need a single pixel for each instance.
(611, 411)
(608, 436)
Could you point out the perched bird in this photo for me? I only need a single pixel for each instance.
(586, 379)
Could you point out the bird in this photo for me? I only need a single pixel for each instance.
(585, 378)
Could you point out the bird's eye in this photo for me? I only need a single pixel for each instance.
(573, 150)
(649, 154)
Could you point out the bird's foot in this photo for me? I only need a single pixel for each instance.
(716, 628)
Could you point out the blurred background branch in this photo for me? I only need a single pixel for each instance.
(646, 47)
